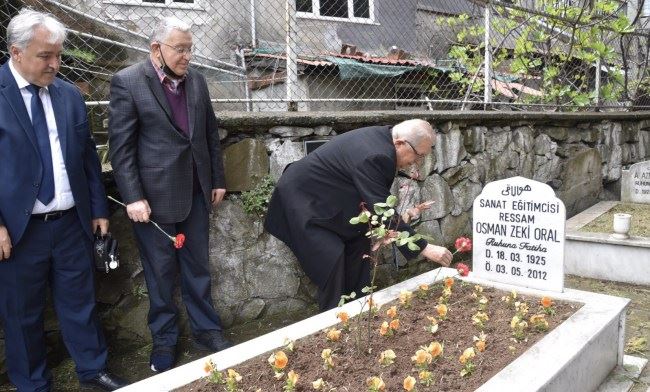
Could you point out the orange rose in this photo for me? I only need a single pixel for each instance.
(333, 334)
(409, 383)
(449, 282)
(343, 316)
(392, 312)
(480, 345)
(383, 330)
(208, 367)
(546, 302)
(394, 324)
(422, 357)
(442, 310)
(279, 360)
(435, 349)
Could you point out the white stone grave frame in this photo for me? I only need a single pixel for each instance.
(576, 356)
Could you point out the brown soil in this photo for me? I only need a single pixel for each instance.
(352, 367)
(639, 226)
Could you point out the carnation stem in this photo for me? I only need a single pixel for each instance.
(173, 239)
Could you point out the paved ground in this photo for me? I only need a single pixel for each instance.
(130, 358)
(637, 334)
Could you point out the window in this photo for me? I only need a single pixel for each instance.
(354, 10)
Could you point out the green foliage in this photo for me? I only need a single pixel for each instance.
(256, 201)
(381, 231)
(557, 53)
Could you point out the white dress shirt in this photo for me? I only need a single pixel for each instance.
(63, 199)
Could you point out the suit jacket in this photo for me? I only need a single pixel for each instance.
(325, 189)
(151, 157)
(20, 163)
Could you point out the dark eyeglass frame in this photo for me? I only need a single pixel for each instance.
(178, 50)
(417, 154)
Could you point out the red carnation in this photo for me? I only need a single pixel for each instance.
(179, 240)
(463, 269)
(463, 244)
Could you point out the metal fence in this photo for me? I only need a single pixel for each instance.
(315, 55)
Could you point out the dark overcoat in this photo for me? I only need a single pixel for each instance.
(316, 196)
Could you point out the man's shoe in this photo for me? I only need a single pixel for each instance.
(162, 358)
(212, 341)
(105, 381)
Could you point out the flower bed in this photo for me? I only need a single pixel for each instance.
(452, 336)
(577, 355)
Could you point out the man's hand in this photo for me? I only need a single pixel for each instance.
(414, 213)
(102, 223)
(5, 243)
(139, 211)
(217, 196)
(438, 254)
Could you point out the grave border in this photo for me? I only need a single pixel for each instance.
(592, 338)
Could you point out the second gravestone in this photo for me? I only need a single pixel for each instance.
(635, 183)
(518, 234)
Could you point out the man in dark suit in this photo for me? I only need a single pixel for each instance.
(164, 148)
(315, 198)
(51, 201)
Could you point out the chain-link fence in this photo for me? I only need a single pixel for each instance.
(374, 54)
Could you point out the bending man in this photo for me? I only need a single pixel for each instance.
(316, 196)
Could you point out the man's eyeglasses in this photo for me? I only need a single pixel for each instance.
(178, 49)
(417, 154)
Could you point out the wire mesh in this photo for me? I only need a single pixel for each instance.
(314, 55)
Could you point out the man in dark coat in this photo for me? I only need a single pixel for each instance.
(316, 196)
(167, 165)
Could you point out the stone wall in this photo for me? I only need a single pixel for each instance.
(256, 276)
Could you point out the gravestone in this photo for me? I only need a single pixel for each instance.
(518, 234)
(635, 183)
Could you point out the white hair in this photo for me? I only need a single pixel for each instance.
(165, 26)
(415, 131)
(22, 27)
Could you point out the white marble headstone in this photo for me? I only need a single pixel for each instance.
(635, 183)
(518, 234)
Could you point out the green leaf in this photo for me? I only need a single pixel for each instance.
(354, 221)
(389, 213)
(391, 201)
(412, 246)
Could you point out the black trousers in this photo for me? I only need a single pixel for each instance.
(350, 274)
(57, 253)
(162, 265)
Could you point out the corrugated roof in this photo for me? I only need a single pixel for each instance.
(304, 61)
(383, 60)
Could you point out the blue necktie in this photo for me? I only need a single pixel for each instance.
(46, 191)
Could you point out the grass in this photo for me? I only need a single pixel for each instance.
(640, 225)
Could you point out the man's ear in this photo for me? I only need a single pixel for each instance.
(15, 52)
